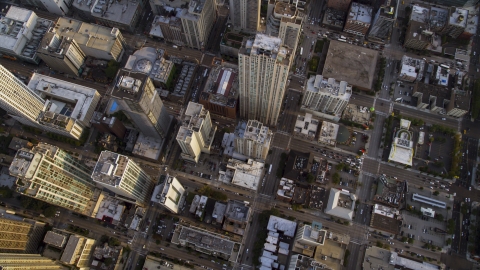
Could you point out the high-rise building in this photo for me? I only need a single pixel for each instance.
(50, 174)
(358, 20)
(245, 14)
(197, 22)
(255, 141)
(326, 96)
(124, 177)
(168, 28)
(382, 24)
(21, 33)
(18, 234)
(60, 8)
(135, 93)
(263, 73)
(285, 22)
(17, 261)
(170, 194)
(196, 134)
(62, 53)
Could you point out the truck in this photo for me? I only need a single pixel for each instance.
(270, 170)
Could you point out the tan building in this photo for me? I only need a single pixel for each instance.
(78, 251)
(197, 22)
(19, 235)
(62, 53)
(285, 22)
(168, 28)
(237, 216)
(358, 20)
(245, 14)
(16, 261)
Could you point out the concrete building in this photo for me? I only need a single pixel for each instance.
(245, 14)
(255, 141)
(382, 24)
(163, 6)
(246, 175)
(237, 216)
(124, 177)
(168, 28)
(78, 251)
(61, 8)
(135, 93)
(326, 96)
(108, 124)
(263, 73)
(358, 20)
(342, 5)
(50, 174)
(120, 15)
(457, 22)
(412, 69)
(328, 133)
(418, 35)
(151, 61)
(65, 46)
(282, 226)
(378, 258)
(18, 234)
(286, 190)
(307, 239)
(21, 33)
(386, 219)
(204, 242)
(108, 209)
(148, 147)
(285, 22)
(196, 134)
(301, 262)
(341, 204)
(16, 261)
(402, 146)
(197, 22)
(306, 126)
(170, 194)
(220, 95)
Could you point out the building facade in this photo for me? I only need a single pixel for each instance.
(124, 177)
(197, 22)
(14, 261)
(255, 141)
(20, 235)
(62, 53)
(196, 134)
(171, 194)
(50, 174)
(326, 96)
(245, 14)
(382, 23)
(60, 8)
(263, 73)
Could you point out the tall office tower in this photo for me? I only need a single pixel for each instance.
(285, 22)
(16, 261)
(196, 134)
(197, 22)
(18, 234)
(263, 65)
(245, 14)
(50, 174)
(359, 19)
(255, 141)
(124, 177)
(136, 95)
(382, 24)
(21, 33)
(17, 99)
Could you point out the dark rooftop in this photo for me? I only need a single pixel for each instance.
(129, 85)
(385, 223)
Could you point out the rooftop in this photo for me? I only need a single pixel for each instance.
(328, 133)
(169, 193)
(360, 13)
(438, 18)
(219, 212)
(68, 99)
(148, 147)
(246, 174)
(73, 245)
(17, 144)
(306, 125)
(350, 63)
(110, 168)
(385, 219)
(458, 17)
(257, 132)
(314, 235)
(388, 8)
(277, 224)
(110, 210)
(221, 86)
(412, 68)
(92, 36)
(129, 85)
(341, 203)
(206, 240)
(55, 239)
(120, 12)
(377, 258)
(286, 188)
(402, 146)
(301, 262)
(237, 210)
(150, 61)
(268, 46)
(285, 9)
(472, 23)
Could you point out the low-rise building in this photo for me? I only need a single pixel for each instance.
(169, 193)
(124, 16)
(328, 133)
(306, 126)
(457, 22)
(307, 239)
(412, 69)
(148, 147)
(282, 226)
(220, 95)
(379, 258)
(385, 219)
(102, 253)
(418, 35)
(108, 124)
(402, 146)
(301, 262)
(358, 20)
(108, 209)
(237, 217)
(286, 190)
(341, 204)
(246, 175)
(76, 250)
(334, 19)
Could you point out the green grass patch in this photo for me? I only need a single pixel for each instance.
(319, 46)
(313, 64)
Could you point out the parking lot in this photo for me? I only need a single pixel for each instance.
(423, 230)
(403, 92)
(356, 142)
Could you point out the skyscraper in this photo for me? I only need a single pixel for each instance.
(52, 175)
(255, 141)
(197, 22)
(263, 65)
(18, 234)
(245, 14)
(124, 177)
(196, 134)
(285, 22)
(16, 261)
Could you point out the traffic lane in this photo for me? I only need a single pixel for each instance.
(173, 253)
(429, 118)
(361, 100)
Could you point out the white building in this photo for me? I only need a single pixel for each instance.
(196, 134)
(246, 175)
(326, 97)
(21, 33)
(254, 141)
(170, 194)
(412, 69)
(328, 133)
(60, 8)
(151, 61)
(306, 126)
(124, 177)
(341, 204)
(281, 225)
(245, 14)
(108, 209)
(402, 146)
(263, 73)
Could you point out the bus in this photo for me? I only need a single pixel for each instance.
(445, 66)
(342, 40)
(301, 50)
(270, 170)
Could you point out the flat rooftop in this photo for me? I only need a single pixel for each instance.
(206, 240)
(328, 133)
(129, 85)
(277, 224)
(268, 46)
(459, 18)
(148, 147)
(285, 9)
(85, 34)
(402, 149)
(340, 204)
(194, 116)
(246, 174)
(314, 235)
(120, 12)
(412, 67)
(55, 239)
(257, 132)
(329, 86)
(72, 100)
(110, 168)
(110, 209)
(73, 244)
(352, 64)
(360, 13)
(378, 258)
(150, 61)
(306, 125)
(237, 210)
